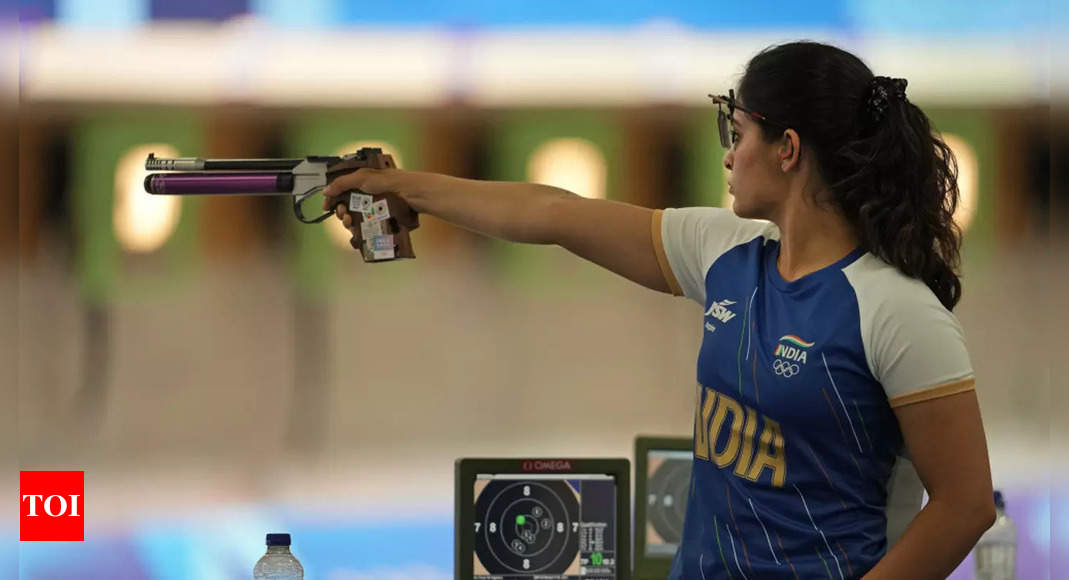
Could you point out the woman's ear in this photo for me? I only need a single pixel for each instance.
(790, 151)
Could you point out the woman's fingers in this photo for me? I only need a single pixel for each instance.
(361, 179)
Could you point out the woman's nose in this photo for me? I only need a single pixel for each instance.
(729, 159)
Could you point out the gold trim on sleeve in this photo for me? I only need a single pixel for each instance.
(662, 258)
(935, 392)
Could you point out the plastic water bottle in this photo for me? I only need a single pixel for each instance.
(996, 552)
(278, 563)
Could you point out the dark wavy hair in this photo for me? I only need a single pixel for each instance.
(890, 174)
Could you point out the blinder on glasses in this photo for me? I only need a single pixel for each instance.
(724, 119)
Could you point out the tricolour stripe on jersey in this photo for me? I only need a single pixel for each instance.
(767, 539)
(840, 423)
(731, 512)
(849, 568)
(749, 340)
(779, 541)
(734, 552)
(822, 470)
(745, 324)
(716, 528)
(849, 421)
(864, 428)
(796, 340)
(822, 536)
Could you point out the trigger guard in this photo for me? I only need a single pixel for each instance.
(297, 203)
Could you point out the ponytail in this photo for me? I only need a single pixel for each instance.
(898, 186)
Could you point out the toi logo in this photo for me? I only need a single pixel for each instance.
(51, 506)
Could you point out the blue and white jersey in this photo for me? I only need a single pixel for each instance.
(795, 439)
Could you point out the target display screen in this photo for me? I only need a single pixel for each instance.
(545, 526)
(667, 486)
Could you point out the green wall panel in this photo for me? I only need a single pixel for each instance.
(104, 271)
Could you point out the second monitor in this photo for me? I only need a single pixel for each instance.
(662, 483)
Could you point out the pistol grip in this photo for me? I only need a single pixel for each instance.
(381, 225)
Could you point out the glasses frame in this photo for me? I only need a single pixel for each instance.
(725, 120)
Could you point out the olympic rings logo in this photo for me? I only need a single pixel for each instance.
(784, 368)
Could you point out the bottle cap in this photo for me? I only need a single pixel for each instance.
(999, 502)
(278, 539)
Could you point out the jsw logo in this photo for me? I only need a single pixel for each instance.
(719, 310)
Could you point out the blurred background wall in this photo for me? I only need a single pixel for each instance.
(218, 369)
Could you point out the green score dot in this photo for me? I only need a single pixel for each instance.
(520, 520)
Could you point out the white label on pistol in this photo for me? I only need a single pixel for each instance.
(358, 201)
(384, 254)
(383, 242)
(380, 210)
(369, 230)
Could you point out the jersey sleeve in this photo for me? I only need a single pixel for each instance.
(915, 347)
(688, 240)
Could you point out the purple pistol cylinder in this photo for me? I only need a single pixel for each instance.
(218, 183)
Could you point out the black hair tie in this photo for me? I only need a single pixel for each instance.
(881, 91)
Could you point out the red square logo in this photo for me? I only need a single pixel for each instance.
(52, 506)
